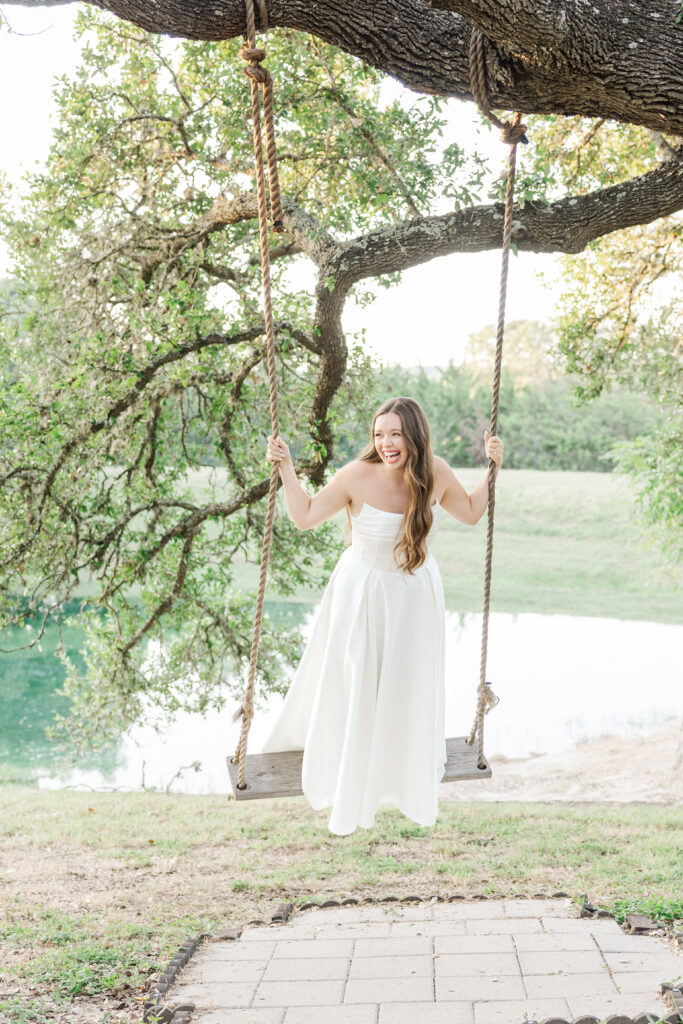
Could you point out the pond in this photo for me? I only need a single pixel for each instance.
(561, 680)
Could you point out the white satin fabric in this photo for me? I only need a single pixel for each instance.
(366, 703)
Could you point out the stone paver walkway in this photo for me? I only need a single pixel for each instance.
(484, 962)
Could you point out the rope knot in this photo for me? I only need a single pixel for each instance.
(490, 699)
(513, 132)
(253, 54)
(257, 74)
(261, 78)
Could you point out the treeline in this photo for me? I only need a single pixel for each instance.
(542, 424)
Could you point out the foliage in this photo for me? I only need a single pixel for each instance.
(655, 465)
(663, 911)
(544, 424)
(133, 352)
(547, 428)
(529, 353)
(620, 319)
(132, 345)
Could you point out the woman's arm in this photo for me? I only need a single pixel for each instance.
(304, 511)
(468, 508)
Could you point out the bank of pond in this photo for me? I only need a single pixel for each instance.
(561, 680)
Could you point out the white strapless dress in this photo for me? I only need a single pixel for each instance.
(366, 704)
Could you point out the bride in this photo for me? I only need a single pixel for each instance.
(366, 704)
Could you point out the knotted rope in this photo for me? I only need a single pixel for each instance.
(260, 77)
(512, 132)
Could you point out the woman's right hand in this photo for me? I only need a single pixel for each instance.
(277, 451)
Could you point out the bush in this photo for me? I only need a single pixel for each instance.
(543, 425)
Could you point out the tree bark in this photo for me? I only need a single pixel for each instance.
(592, 59)
(567, 226)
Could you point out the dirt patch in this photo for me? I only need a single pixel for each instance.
(646, 766)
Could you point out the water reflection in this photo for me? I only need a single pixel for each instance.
(29, 700)
(564, 680)
(561, 680)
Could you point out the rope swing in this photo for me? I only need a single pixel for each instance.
(279, 774)
(261, 81)
(511, 133)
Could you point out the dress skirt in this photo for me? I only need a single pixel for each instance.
(366, 704)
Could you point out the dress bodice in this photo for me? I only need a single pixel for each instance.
(374, 533)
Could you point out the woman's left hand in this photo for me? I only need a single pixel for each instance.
(494, 448)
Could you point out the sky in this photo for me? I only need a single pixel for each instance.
(425, 320)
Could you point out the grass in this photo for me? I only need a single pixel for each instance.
(39, 1010)
(101, 888)
(74, 961)
(565, 543)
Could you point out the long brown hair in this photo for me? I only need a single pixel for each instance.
(411, 546)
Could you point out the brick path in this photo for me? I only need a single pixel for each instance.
(486, 962)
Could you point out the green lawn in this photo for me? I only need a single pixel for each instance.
(565, 543)
(99, 889)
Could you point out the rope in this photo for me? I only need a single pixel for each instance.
(253, 56)
(512, 132)
(260, 76)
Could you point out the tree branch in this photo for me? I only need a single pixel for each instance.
(567, 225)
(570, 58)
(170, 599)
(118, 408)
(308, 233)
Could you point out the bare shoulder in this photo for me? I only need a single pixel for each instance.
(358, 483)
(447, 487)
(359, 469)
(351, 469)
(351, 476)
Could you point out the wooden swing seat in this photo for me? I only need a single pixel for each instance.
(279, 774)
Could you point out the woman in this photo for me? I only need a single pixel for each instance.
(366, 704)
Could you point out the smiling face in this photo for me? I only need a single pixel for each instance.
(390, 442)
